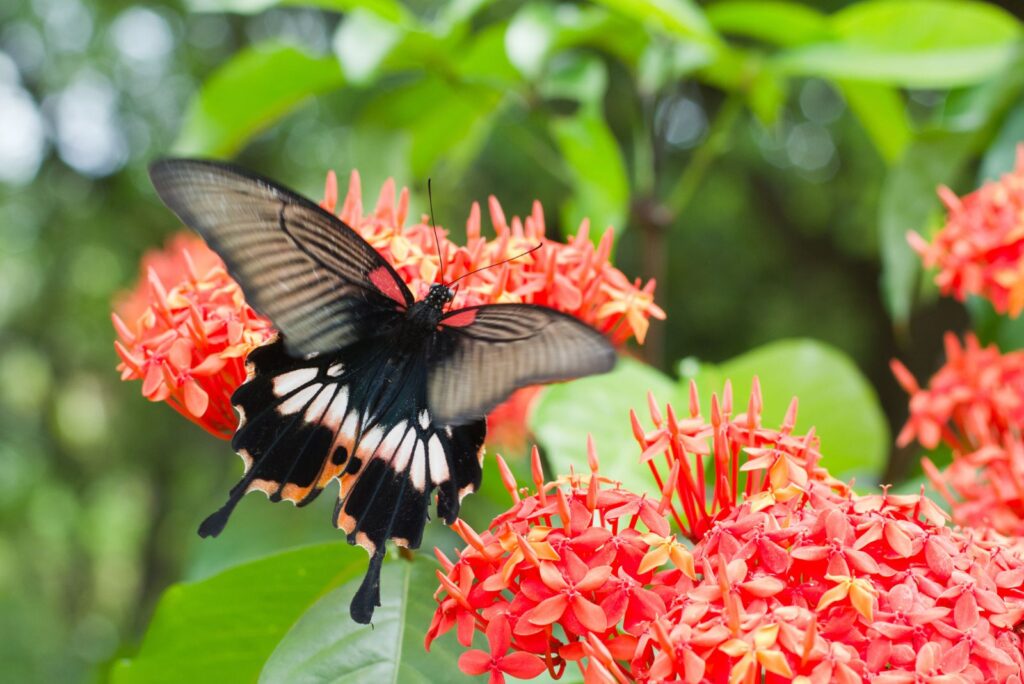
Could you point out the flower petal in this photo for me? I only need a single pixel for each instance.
(522, 665)
(475, 662)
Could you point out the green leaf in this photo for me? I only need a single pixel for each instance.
(1001, 156)
(881, 112)
(530, 38)
(362, 41)
(388, 9)
(680, 18)
(914, 43)
(325, 646)
(539, 30)
(907, 202)
(664, 63)
(785, 24)
(255, 88)
(224, 628)
(576, 76)
(454, 128)
(835, 398)
(596, 169)
(600, 406)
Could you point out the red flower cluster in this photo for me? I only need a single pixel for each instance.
(574, 277)
(185, 332)
(790, 576)
(566, 569)
(186, 328)
(974, 405)
(980, 248)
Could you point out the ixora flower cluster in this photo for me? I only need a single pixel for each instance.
(185, 332)
(186, 328)
(974, 405)
(979, 249)
(788, 574)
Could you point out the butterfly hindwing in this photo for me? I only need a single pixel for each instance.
(358, 417)
(483, 353)
(321, 284)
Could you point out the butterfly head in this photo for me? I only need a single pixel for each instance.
(439, 295)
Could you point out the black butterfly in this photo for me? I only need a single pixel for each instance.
(364, 384)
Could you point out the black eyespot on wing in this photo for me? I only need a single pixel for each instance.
(483, 353)
(320, 283)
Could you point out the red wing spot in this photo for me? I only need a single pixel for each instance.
(385, 282)
(460, 318)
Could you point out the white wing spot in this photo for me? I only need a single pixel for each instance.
(298, 401)
(336, 413)
(424, 419)
(349, 427)
(390, 443)
(316, 409)
(404, 452)
(286, 383)
(370, 441)
(335, 370)
(418, 472)
(438, 462)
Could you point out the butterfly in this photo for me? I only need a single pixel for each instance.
(364, 384)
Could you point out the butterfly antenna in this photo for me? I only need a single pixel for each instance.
(503, 261)
(437, 240)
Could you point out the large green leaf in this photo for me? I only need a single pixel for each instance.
(680, 18)
(255, 88)
(907, 203)
(325, 646)
(835, 399)
(881, 112)
(224, 628)
(775, 22)
(600, 406)
(912, 43)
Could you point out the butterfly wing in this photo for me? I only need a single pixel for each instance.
(321, 284)
(483, 353)
(357, 416)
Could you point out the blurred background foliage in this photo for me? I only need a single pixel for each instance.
(762, 160)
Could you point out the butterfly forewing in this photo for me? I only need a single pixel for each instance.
(320, 283)
(484, 353)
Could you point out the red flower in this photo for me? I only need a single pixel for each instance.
(561, 566)
(499, 662)
(975, 405)
(185, 331)
(980, 248)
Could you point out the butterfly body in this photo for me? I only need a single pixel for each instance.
(365, 385)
